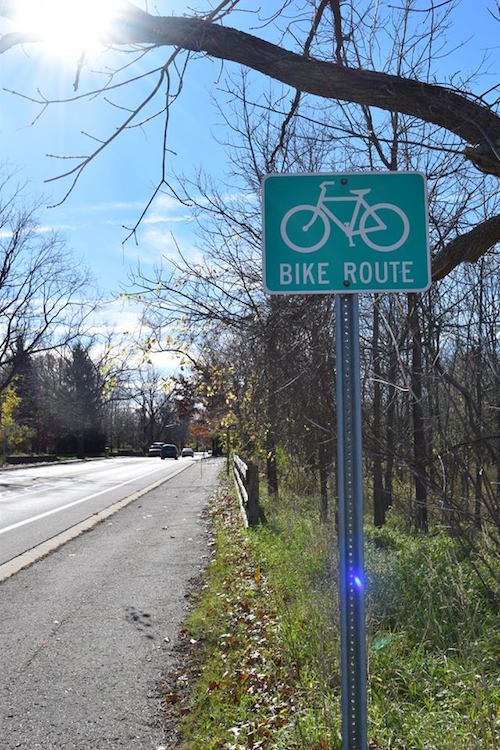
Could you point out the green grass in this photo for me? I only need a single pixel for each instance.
(435, 645)
(267, 620)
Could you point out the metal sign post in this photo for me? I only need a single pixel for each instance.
(350, 510)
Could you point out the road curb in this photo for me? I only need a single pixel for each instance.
(31, 556)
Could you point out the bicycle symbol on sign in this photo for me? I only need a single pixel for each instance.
(381, 215)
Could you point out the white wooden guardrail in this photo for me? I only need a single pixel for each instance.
(246, 479)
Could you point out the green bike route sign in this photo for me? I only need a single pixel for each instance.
(348, 232)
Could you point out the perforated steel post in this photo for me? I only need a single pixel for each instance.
(350, 517)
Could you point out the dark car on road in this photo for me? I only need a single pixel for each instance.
(169, 451)
(155, 449)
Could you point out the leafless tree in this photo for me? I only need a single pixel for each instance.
(45, 300)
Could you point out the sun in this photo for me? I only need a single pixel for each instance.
(67, 27)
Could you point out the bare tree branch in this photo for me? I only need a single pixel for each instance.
(470, 120)
(466, 248)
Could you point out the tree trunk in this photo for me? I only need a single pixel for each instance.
(419, 442)
(80, 445)
(319, 321)
(378, 487)
(271, 470)
(390, 419)
(390, 442)
(479, 400)
(498, 458)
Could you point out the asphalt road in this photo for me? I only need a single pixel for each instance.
(87, 632)
(38, 502)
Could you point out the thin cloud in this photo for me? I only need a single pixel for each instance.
(40, 229)
(111, 206)
(157, 218)
(166, 244)
(45, 228)
(167, 209)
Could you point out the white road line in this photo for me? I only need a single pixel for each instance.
(75, 502)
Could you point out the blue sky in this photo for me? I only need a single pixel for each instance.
(113, 190)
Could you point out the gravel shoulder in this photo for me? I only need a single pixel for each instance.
(88, 632)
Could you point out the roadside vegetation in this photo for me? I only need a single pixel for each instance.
(267, 638)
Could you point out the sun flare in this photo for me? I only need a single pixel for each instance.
(67, 27)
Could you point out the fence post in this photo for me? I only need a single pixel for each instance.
(253, 495)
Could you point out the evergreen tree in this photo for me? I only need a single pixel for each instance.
(82, 402)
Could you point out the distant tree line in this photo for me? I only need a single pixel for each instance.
(64, 390)
(70, 403)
